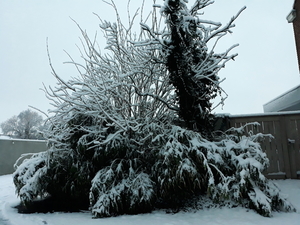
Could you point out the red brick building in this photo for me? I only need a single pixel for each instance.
(294, 17)
(290, 100)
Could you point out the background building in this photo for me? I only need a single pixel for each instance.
(290, 100)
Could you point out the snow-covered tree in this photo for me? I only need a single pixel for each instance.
(116, 143)
(27, 125)
(104, 121)
(193, 68)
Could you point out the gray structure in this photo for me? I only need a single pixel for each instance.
(12, 149)
(288, 101)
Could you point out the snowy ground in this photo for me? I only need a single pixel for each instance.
(225, 216)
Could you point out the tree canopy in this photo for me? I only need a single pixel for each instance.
(27, 125)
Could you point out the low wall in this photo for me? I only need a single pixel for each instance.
(12, 149)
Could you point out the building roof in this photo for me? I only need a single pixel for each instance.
(288, 101)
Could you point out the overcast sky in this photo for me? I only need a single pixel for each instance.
(265, 68)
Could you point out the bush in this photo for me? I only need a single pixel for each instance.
(114, 145)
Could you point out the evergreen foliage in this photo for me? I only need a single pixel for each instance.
(186, 53)
(192, 67)
(115, 145)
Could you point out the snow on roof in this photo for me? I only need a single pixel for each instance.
(292, 89)
(260, 114)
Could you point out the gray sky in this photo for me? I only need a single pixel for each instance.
(265, 68)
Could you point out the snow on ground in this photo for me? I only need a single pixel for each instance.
(224, 216)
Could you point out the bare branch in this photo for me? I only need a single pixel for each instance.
(53, 71)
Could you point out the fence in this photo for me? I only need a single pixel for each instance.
(12, 149)
(284, 150)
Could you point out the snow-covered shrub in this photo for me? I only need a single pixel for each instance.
(114, 194)
(117, 143)
(101, 119)
(241, 162)
(29, 177)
